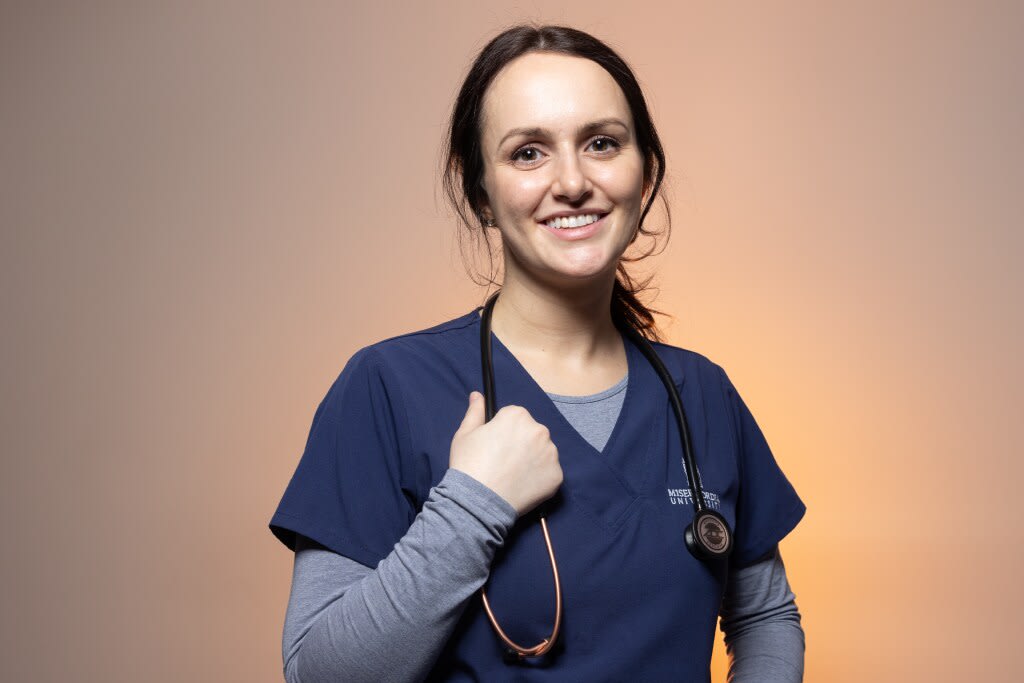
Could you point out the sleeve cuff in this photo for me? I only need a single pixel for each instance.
(478, 498)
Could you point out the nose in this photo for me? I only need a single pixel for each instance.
(571, 181)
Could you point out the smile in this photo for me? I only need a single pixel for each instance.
(572, 221)
(573, 228)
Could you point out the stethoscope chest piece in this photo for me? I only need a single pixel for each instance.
(707, 536)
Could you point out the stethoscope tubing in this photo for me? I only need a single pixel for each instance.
(514, 648)
(700, 504)
(707, 537)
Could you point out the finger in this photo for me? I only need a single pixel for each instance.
(474, 416)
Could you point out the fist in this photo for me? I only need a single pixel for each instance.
(513, 454)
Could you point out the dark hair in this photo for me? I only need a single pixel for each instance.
(464, 167)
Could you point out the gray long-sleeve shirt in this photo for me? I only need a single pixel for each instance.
(346, 621)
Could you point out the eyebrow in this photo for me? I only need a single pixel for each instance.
(585, 128)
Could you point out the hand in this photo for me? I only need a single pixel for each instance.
(513, 455)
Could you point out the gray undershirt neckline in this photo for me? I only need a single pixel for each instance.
(594, 416)
(590, 398)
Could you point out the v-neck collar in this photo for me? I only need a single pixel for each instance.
(552, 416)
(607, 483)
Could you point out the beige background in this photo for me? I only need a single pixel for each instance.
(207, 207)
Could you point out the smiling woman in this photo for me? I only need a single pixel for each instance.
(409, 500)
(577, 157)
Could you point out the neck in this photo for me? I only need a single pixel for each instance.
(573, 325)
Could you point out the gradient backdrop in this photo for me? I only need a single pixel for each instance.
(208, 207)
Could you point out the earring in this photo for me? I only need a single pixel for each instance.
(489, 222)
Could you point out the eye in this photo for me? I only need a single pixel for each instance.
(606, 144)
(521, 155)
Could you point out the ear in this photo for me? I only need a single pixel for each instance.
(484, 212)
(485, 215)
(646, 193)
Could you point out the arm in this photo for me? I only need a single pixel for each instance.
(348, 622)
(761, 623)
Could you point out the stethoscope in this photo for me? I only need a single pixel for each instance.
(707, 537)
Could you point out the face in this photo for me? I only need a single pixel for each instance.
(558, 141)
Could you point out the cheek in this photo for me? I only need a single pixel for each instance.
(522, 194)
(623, 183)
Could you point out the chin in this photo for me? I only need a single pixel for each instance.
(593, 266)
(579, 273)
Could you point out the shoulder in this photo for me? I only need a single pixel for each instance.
(686, 365)
(410, 357)
(434, 351)
(441, 339)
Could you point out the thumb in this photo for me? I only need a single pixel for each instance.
(474, 413)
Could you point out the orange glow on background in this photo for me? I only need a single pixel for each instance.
(207, 208)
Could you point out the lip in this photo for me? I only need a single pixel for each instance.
(573, 234)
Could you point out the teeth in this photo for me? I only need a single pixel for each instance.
(572, 221)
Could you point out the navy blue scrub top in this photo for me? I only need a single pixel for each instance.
(636, 604)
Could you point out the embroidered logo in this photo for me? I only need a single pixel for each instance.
(685, 497)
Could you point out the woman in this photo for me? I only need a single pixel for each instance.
(407, 501)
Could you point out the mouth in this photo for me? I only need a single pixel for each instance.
(575, 227)
(578, 221)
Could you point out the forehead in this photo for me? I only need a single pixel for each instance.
(552, 91)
